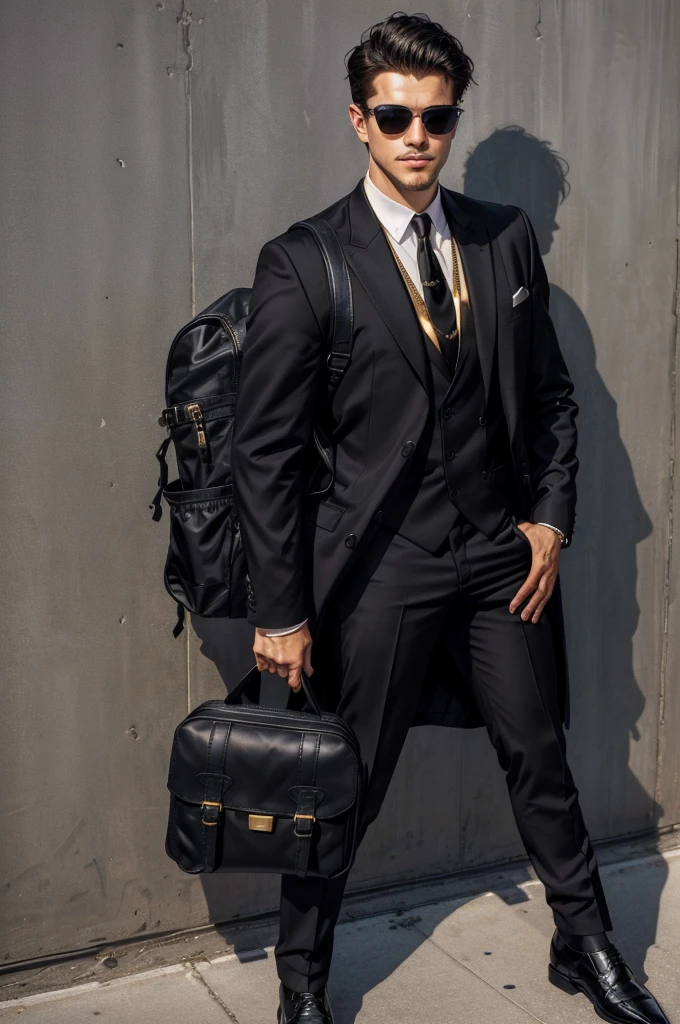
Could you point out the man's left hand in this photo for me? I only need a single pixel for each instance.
(545, 562)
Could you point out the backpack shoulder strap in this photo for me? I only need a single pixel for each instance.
(340, 289)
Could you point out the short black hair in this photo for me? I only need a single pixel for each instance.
(408, 44)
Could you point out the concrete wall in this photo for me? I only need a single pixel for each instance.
(148, 152)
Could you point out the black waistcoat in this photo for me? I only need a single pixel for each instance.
(461, 465)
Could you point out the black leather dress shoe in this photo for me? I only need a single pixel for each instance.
(303, 1007)
(608, 982)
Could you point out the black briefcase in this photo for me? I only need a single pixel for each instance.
(264, 789)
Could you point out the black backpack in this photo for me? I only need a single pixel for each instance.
(205, 570)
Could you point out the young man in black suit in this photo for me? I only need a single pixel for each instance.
(427, 575)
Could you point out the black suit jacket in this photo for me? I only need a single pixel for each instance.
(297, 551)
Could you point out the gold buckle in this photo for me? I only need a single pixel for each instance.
(261, 822)
(210, 803)
(303, 817)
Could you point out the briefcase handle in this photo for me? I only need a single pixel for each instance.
(234, 697)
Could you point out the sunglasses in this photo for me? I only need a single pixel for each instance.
(393, 119)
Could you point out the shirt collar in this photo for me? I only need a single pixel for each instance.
(397, 218)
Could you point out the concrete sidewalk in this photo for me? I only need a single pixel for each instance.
(477, 959)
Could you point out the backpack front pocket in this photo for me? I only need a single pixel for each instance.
(203, 535)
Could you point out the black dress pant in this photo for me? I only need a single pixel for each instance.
(380, 632)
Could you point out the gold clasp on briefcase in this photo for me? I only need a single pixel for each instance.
(261, 822)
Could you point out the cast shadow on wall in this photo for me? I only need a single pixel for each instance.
(599, 574)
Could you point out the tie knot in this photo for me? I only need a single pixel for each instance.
(422, 223)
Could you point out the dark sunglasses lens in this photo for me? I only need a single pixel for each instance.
(392, 120)
(440, 120)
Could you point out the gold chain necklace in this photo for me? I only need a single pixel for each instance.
(421, 309)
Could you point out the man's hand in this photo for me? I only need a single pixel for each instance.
(545, 547)
(286, 655)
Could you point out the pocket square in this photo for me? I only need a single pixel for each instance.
(519, 296)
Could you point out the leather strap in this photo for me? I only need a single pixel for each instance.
(340, 288)
(179, 624)
(213, 786)
(341, 325)
(235, 696)
(162, 480)
(306, 796)
(212, 408)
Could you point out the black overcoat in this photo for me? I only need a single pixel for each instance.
(297, 550)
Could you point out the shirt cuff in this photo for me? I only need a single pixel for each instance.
(282, 632)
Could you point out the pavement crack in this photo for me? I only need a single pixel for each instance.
(197, 976)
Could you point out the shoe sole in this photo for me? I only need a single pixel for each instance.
(572, 989)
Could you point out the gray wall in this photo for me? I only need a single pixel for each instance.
(147, 155)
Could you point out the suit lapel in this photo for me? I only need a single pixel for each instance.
(370, 257)
(474, 245)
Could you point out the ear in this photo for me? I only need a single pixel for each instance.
(358, 120)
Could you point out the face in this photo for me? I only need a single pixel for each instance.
(392, 156)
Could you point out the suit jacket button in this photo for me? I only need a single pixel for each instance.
(446, 414)
(407, 449)
(482, 421)
(484, 475)
(350, 540)
(450, 455)
(454, 493)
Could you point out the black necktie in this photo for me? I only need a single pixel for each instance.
(437, 294)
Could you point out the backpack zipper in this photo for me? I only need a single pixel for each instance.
(194, 411)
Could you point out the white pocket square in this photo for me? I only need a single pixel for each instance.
(519, 296)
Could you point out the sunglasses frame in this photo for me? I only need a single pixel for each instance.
(400, 106)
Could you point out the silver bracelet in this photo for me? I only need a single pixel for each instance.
(554, 530)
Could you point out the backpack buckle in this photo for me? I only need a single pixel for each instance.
(337, 364)
(344, 358)
(168, 418)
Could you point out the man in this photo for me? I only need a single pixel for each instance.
(426, 574)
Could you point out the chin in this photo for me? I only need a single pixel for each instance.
(418, 180)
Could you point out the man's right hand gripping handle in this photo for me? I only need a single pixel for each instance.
(285, 655)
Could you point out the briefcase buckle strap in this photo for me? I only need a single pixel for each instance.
(306, 796)
(303, 831)
(211, 817)
(214, 780)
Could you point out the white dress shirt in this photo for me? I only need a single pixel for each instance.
(396, 219)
